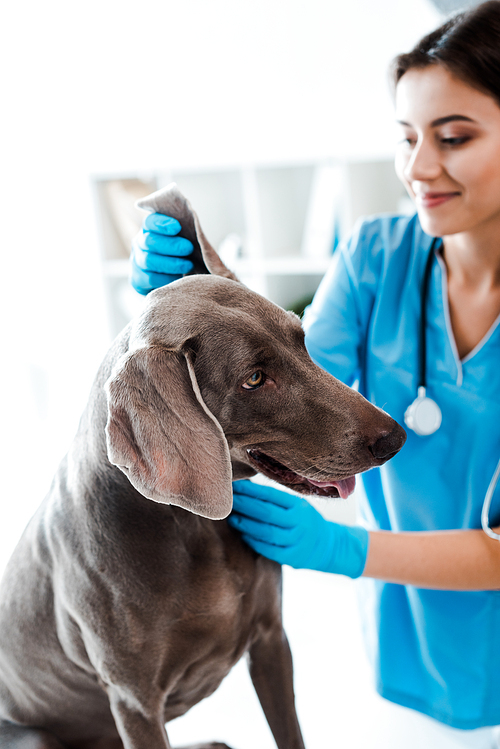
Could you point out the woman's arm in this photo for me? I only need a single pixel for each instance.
(288, 529)
(447, 560)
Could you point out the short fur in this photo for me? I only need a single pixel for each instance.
(118, 613)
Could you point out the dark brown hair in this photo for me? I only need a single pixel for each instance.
(468, 45)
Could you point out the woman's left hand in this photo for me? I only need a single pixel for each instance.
(288, 529)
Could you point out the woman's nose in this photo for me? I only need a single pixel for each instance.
(423, 165)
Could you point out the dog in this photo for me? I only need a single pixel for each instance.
(128, 598)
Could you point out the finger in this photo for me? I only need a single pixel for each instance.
(264, 512)
(163, 245)
(262, 531)
(285, 536)
(275, 553)
(162, 224)
(265, 493)
(150, 261)
(146, 281)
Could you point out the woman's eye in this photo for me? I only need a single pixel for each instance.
(255, 380)
(407, 142)
(458, 141)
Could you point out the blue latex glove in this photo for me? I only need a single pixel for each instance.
(286, 528)
(158, 255)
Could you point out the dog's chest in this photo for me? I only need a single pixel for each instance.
(183, 608)
(227, 607)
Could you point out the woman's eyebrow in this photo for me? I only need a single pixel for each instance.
(450, 118)
(442, 120)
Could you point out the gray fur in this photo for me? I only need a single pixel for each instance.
(118, 613)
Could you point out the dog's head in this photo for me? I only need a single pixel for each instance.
(217, 384)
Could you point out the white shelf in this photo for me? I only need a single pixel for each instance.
(282, 266)
(283, 221)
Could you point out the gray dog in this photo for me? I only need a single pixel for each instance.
(118, 613)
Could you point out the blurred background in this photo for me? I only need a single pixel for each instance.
(275, 118)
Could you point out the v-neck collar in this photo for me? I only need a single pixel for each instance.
(451, 336)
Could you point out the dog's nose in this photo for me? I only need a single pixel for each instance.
(387, 446)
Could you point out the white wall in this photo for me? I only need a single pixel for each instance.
(115, 85)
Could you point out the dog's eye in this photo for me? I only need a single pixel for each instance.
(255, 381)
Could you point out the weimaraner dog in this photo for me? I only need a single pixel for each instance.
(128, 599)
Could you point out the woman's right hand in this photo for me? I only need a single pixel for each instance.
(159, 256)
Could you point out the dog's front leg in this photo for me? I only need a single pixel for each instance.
(270, 665)
(138, 728)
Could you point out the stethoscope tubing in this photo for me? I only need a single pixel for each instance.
(422, 385)
(422, 379)
(486, 505)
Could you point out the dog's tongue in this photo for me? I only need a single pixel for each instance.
(344, 487)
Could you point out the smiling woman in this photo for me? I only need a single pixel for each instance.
(448, 160)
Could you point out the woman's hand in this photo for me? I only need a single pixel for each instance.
(286, 528)
(159, 256)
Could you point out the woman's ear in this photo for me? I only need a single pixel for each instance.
(163, 437)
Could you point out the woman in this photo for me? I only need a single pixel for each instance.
(435, 575)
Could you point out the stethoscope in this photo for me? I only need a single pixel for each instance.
(424, 416)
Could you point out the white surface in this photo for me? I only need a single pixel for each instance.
(336, 704)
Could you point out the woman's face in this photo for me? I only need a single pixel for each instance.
(448, 157)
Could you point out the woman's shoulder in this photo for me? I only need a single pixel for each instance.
(389, 233)
(378, 243)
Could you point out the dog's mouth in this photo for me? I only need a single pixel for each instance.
(275, 470)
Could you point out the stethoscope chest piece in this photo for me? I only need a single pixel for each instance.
(423, 415)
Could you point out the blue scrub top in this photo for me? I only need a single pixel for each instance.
(433, 651)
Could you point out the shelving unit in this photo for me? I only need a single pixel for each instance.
(276, 227)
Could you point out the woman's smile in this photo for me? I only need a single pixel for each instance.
(430, 199)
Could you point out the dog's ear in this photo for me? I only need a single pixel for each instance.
(171, 202)
(163, 437)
